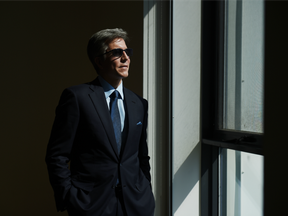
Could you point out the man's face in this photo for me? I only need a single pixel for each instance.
(115, 68)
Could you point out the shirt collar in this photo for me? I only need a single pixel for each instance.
(108, 89)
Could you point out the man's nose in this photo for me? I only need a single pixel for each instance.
(124, 56)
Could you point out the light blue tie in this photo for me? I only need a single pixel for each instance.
(115, 116)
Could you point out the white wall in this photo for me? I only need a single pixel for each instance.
(186, 108)
(156, 88)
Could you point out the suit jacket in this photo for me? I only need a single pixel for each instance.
(83, 134)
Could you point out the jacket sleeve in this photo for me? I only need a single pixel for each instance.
(143, 148)
(60, 146)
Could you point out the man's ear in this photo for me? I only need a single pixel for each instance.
(99, 62)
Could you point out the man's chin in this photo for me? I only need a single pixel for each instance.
(124, 74)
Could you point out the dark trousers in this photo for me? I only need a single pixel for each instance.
(119, 209)
(120, 204)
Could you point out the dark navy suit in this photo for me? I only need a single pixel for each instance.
(83, 134)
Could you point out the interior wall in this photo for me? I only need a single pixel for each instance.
(275, 109)
(186, 147)
(43, 51)
(156, 89)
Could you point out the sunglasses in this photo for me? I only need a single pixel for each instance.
(119, 52)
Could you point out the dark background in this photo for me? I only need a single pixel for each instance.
(43, 51)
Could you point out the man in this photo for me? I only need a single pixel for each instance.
(100, 127)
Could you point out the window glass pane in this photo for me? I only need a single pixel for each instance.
(241, 187)
(244, 62)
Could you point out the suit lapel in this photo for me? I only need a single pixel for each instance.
(99, 101)
(130, 116)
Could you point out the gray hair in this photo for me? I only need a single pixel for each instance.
(98, 43)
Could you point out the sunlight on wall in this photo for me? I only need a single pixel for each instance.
(186, 107)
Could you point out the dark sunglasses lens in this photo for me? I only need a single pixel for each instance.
(129, 52)
(117, 52)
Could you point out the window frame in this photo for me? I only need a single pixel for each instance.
(213, 137)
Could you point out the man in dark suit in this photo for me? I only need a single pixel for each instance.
(100, 127)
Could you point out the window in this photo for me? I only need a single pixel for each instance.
(240, 183)
(232, 107)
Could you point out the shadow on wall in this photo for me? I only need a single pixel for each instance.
(186, 177)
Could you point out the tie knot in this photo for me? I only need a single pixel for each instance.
(115, 94)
